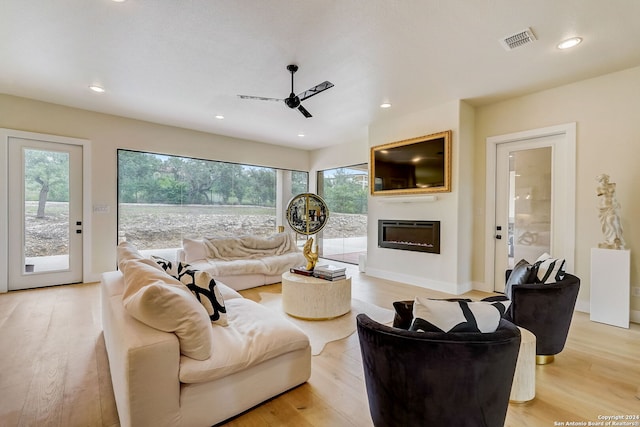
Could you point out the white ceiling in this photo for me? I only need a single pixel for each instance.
(181, 62)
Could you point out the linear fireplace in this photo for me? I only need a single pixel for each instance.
(420, 236)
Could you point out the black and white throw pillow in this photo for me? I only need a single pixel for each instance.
(501, 303)
(201, 285)
(549, 269)
(204, 287)
(173, 268)
(431, 315)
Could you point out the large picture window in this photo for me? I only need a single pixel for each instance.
(162, 199)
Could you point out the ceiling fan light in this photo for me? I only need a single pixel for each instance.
(569, 43)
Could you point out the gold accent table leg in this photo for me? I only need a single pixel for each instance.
(544, 359)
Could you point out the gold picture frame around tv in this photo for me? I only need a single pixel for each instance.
(412, 166)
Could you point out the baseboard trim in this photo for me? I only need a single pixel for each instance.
(435, 285)
(585, 307)
(92, 277)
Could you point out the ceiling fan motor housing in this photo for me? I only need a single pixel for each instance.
(292, 101)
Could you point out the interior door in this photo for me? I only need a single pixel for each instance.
(524, 192)
(44, 213)
(518, 193)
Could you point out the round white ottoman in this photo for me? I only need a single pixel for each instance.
(311, 298)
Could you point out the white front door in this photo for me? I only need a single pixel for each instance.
(45, 213)
(533, 183)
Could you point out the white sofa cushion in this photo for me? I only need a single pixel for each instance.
(227, 292)
(269, 265)
(244, 247)
(162, 302)
(255, 334)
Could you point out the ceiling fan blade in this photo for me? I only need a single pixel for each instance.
(260, 98)
(315, 90)
(304, 111)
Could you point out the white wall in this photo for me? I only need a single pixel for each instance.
(606, 111)
(108, 133)
(448, 271)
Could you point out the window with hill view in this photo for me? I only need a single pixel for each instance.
(345, 191)
(162, 199)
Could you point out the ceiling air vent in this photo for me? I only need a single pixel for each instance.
(519, 39)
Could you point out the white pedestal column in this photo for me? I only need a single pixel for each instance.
(610, 286)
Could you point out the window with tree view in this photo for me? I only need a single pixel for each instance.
(162, 199)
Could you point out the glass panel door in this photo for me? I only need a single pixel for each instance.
(46, 210)
(523, 206)
(45, 213)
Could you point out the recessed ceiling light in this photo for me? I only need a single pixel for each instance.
(119, 1)
(569, 43)
(219, 117)
(385, 105)
(301, 135)
(96, 88)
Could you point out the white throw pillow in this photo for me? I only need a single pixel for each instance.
(162, 302)
(126, 251)
(194, 250)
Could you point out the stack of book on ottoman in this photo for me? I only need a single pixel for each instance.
(330, 272)
(301, 270)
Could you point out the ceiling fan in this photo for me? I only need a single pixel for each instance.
(293, 101)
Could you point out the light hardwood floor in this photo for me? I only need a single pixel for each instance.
(54, 370)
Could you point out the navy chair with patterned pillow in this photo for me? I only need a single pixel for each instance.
(437, 378)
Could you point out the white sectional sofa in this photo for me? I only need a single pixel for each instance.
(243, 262)
(230, 369)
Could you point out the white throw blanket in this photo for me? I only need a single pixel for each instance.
(249, 247)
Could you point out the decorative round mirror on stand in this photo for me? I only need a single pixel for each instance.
(307, 213)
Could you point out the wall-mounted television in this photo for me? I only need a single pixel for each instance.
(413, 166)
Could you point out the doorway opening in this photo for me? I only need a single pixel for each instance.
(345, 191)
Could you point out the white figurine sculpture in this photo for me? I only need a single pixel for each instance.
(608, 213)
